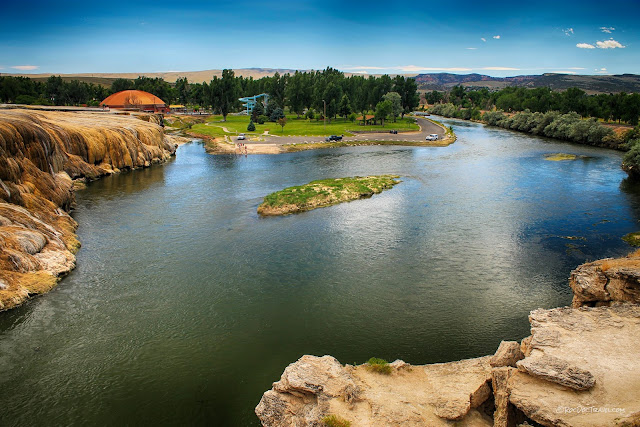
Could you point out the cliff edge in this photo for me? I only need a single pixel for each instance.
(579, 367)
(41, 154)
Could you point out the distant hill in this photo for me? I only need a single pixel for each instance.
(106, 79)
(591, 84)
(434, 81)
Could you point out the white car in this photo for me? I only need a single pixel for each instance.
(432, 137)
(241, 137)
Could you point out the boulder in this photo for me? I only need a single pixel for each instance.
(558, 371)
(583, 367)
(607, 281)
(508, 354)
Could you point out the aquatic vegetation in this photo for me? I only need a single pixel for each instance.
(324, 192)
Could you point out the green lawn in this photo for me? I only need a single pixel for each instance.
(295, 126)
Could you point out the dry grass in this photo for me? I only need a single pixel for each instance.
(631, 261)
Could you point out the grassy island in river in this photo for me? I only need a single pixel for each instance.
(325, 192)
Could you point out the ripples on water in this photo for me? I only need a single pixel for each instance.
(186, 305)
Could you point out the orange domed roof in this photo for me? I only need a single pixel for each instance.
(132, 97)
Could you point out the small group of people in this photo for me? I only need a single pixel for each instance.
(242, 148)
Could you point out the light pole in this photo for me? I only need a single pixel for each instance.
(324, 116)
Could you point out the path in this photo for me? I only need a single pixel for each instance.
(426, 127)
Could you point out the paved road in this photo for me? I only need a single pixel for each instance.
(426, 127)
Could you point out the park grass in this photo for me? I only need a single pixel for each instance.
(325, 192)
(297, 127)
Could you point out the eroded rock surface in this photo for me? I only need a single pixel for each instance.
(314, 387)
(41, 152)
(507, 354)
(603, 344)
(607, 281)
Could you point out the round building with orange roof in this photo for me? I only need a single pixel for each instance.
(135, 100)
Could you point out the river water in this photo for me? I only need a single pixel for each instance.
(186, 306)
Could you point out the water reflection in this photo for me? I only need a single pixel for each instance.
(186, 305)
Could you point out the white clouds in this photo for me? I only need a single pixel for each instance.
(568, 31)
(365, 67)
(415, 68)
(609, 44)
(601, 71)
(471, 48)
(607, 29)
(496, 37)
(500, 68)
(564, 72)
(585, 46)
(25, 67)
(483, 39)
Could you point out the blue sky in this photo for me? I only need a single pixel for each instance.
(495, 38)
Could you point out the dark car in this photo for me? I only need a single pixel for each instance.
(333, 138)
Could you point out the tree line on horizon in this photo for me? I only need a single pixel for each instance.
(300, 92)
(620, 107)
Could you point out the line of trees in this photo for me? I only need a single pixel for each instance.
(53, 91)
(620, 107)
(300, 92)
(553, 124)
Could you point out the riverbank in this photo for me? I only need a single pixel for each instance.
(44, 153)
(273, 144)
(322, 193)
(579, 367)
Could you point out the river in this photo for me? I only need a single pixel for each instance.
(186, 305)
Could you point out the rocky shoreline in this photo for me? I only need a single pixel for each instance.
(42, 155)
(579, 367)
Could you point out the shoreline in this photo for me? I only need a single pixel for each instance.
(49, 155)
(583, 356)
(217, 145)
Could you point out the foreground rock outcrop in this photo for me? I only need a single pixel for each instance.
(41, 154)
(579, 367)
(607, 281)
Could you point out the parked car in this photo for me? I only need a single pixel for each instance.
(432, 137)
(241, 137)
(333, 138)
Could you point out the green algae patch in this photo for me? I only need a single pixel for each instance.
(325, 192)
(558, 157)
(632, 238)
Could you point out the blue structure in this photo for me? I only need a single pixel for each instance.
(250, 101)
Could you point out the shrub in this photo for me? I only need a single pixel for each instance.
(262, 119)
(380, 366)
(251, 127)
(276, 114)
(335, 421)
(310, 114)
(352, 117)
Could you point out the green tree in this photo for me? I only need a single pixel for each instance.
(258, 110)
(396, 103)
(383, 109)
(344, 109)
(119, 85)
(282, 121)
(251, 127)
(276, 115)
